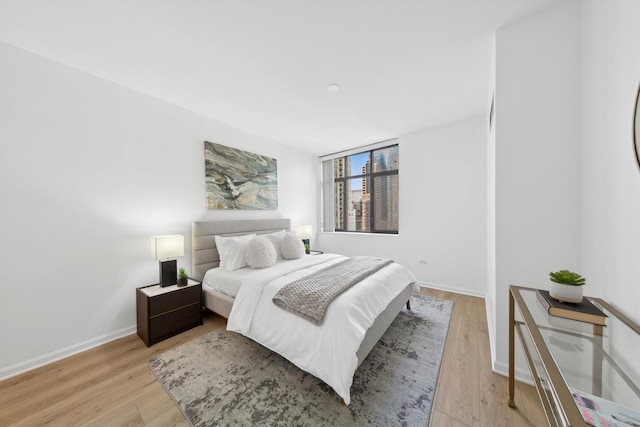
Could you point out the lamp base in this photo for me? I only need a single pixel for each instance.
(168, 273)
(307, 246)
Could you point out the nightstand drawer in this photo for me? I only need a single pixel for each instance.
(173, 300)
(174, 322)
(164, 312)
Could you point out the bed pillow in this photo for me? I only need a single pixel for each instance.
(260, 253)
(292, 246)
(232, 251)
(276, 239)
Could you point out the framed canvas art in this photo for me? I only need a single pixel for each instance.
(237, 179)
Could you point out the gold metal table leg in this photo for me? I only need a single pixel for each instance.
(596, 373)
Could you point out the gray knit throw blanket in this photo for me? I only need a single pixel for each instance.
(310, 296)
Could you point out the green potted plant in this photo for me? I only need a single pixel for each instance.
(566, 286)
(182, 277)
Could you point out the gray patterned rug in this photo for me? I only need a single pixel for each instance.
(223, 378)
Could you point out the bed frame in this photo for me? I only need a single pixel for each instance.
(204, 256)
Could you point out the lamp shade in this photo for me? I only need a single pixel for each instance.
(167, 247)
(305, 231)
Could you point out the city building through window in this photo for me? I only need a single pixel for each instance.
(361, 191)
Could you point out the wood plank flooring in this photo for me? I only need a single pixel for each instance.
(469, 393)
(112, 384)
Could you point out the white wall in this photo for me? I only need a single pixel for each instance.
(567, 185)
(611, 190)
(611, 179)
(537, 155)
(490, 294)
(442, 210)
(89, 171)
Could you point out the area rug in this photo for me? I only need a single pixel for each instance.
(223, 378)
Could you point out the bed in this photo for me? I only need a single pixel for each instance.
(355, 321)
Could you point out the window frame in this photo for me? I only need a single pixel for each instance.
(371, 177)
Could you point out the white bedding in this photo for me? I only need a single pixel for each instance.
(230, 282)
(327, 351)
(226, 282)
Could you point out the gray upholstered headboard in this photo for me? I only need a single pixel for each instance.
(204, 254)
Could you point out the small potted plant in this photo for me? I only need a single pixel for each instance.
(566, 286)
(182, 277)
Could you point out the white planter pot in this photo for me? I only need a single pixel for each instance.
(566, 293)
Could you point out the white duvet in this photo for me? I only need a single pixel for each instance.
(328, 351)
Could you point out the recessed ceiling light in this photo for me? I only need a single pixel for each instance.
(333, 88)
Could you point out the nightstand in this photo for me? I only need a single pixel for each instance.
(165, 312)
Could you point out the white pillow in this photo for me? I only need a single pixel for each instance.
(276, 239)
(260, 253)
(232, 251)
(292, 247)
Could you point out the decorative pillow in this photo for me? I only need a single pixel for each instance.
(232, 251)
(276, 239)
(292, 246)
(260, 253)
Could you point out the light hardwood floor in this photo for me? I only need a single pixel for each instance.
(112, 384)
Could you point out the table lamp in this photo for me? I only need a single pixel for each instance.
(305, 232)
(166, 249)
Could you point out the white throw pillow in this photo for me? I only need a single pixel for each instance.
(276, 239)
(260, 253)
(292, 247)
(232, 251)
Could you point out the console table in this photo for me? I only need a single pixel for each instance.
(566, 357)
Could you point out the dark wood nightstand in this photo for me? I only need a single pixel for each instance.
(165, 312)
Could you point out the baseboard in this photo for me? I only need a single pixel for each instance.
(455, 290)
(36, 362)
(491, 332)
(521, 375)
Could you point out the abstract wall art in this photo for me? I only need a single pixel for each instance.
(237, 179)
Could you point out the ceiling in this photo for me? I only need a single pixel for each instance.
(264, 65)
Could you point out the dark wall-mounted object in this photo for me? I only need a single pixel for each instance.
(636, 127)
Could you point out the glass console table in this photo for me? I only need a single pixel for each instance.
(572, 361)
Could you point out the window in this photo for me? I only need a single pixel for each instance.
(361, 191)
